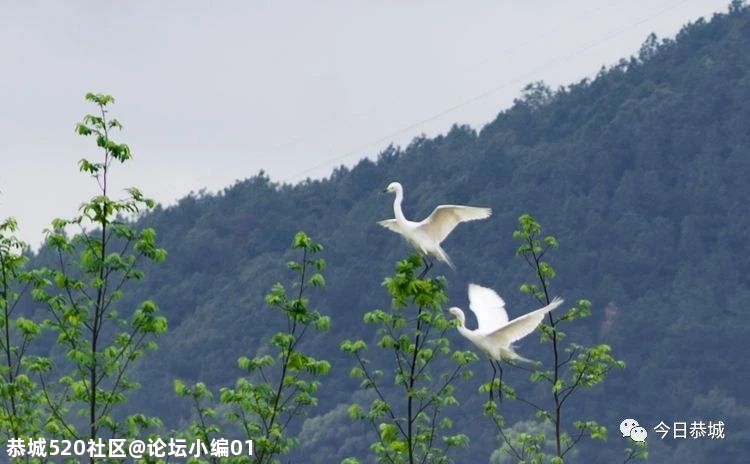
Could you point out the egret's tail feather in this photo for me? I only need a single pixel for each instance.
(522, 359)
(443, 256)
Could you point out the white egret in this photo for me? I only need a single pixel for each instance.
(495, 334)
(425, 236)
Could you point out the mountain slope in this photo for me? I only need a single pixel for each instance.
(641, 174)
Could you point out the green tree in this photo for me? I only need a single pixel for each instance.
(101, 340)
(410, 419)
(573, 366)
(276, 390)
(19, 394)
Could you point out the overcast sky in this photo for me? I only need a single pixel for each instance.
(212, 92)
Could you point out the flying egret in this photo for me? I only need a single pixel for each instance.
(425, 236)
(495, 334)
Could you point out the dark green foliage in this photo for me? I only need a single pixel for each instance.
(642, 172)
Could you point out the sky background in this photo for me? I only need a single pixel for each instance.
(213, 92)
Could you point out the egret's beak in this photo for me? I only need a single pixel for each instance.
(384, 191)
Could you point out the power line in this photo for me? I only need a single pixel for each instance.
(389, 137)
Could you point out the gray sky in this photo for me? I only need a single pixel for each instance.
(212, 92)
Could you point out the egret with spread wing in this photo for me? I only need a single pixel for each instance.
(425, 236)
(495, 334)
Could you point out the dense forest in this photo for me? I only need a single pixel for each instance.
(641, 174)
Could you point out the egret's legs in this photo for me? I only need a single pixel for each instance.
(492, 382)
(427, 266)
(500, 387)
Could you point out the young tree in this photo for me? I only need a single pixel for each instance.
(101, 340)
(410, 419)
(19, 394)
(572, 367)
(277, 390)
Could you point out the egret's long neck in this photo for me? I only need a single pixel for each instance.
(397, 212)
(462, 325)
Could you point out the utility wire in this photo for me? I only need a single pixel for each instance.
(590, 45)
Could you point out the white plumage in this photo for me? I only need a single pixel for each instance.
(495, 334)
(425, 236)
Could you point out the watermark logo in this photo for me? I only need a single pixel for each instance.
(631, 428)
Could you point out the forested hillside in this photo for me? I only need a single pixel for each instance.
(642, 176)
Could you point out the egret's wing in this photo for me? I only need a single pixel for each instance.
(522, 326)
(446, 217)
(488, 307)
(390, 224)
